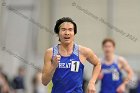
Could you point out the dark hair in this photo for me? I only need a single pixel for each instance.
(108, 40)
(64, 19)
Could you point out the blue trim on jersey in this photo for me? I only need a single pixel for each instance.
(68, 77)
(112, 77)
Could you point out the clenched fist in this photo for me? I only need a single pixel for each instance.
(56, 60)
(91, 88)
(121, 88)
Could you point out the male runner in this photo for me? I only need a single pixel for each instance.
(112, 65)
(63, 63)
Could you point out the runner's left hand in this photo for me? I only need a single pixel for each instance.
(121, 88)
(91, 87)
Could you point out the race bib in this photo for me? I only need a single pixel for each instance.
(75, 66)
(115, 75)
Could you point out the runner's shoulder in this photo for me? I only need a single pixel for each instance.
(49, 52)
(84, 50)
(122, 61)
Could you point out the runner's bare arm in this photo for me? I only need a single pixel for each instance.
(93, 59)
(127, 68)
(49, 67)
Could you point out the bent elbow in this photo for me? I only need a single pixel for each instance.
(44, 81)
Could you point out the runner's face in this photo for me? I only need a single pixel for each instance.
(108, 48)
(66, 33)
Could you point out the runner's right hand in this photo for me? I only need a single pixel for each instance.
(56, 60)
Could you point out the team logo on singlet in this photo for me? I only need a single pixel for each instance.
(73, 65)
